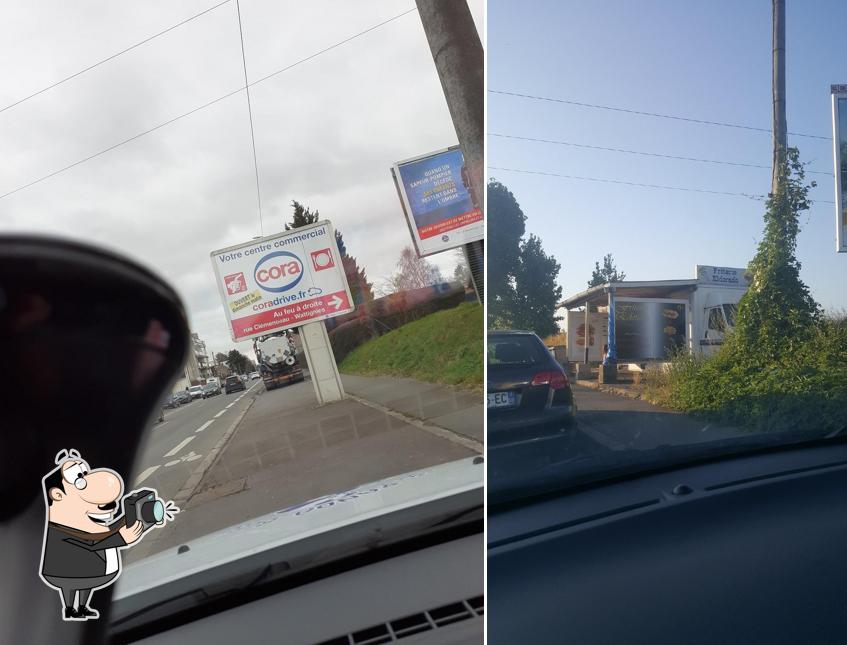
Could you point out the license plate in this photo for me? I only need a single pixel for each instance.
(501, 399)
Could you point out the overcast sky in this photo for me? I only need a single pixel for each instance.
(327, 131)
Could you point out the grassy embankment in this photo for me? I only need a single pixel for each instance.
(444, 347)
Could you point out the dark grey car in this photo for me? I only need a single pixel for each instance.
(528, 395)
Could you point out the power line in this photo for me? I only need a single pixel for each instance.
(338, 44)
(653, 114)
(639, 152)
(630, 183)
(113, 56)
(250, 113)
(642, 185)
(200, 107)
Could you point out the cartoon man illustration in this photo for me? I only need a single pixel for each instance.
(82, 544)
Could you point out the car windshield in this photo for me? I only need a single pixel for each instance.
(275, 214)
(689, 290)
(514, 350)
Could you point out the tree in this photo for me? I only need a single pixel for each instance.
(536, 294)
(505, 228)
(238, 362)
(413, 272)
(220, 357)
(302, 216)
(608, 273)
(462, 273)
(360, 288)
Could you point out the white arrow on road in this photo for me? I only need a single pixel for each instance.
(336, 302)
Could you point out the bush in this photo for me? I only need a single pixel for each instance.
(805, 390)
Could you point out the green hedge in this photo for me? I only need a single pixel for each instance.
(804, 391)
(388, 314)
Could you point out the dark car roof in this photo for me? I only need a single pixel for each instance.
(510, 332)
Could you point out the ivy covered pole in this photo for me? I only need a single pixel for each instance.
(780, 125)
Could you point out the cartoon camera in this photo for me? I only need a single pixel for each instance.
(145, 506)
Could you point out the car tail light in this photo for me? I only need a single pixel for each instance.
(556, 380)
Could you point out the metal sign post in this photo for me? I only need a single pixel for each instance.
(839, 147)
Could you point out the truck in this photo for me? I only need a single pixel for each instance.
(277, 360)
(654, 319)
(714, 303)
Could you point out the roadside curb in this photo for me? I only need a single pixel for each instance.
(438, 431)
(611, 389)
(188, 489)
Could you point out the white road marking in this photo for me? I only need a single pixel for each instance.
(220, 413)
(191, 456)
(231, 404)
(145, 474)
(201, 428)
(180, 446)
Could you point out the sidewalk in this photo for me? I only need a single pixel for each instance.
(287, 450)
(458, 410)
(629, 390)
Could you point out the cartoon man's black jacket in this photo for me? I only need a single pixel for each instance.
(69, 553)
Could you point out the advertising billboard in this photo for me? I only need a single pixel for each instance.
(441, 210)
(839, 147)
(649, 329)
(282, 281)
(598, 332)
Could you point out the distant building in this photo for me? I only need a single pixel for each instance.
(201, 356)
(197, 367)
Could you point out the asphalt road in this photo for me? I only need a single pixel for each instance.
(174, 448)
(609, 427)
(620, 423)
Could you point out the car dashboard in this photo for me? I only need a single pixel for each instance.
(431, 595)
(742, 550)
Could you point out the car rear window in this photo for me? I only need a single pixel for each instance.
(515, 350)
(232, 379)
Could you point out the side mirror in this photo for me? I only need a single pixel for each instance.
(89, 342)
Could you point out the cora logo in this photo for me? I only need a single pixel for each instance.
(278, 271)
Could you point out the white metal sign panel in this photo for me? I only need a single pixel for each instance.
(282, 281)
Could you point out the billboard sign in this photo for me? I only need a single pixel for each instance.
(839, 147)
(282, 281)
(650, 329)
(441, 211)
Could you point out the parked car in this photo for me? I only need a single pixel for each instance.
(171, 401)
(211, 389)
(233, 384)
(196, 391)
(183, 397)
(529, 395)
(254, 376)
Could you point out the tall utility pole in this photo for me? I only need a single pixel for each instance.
(459, 61)
(780, 126)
